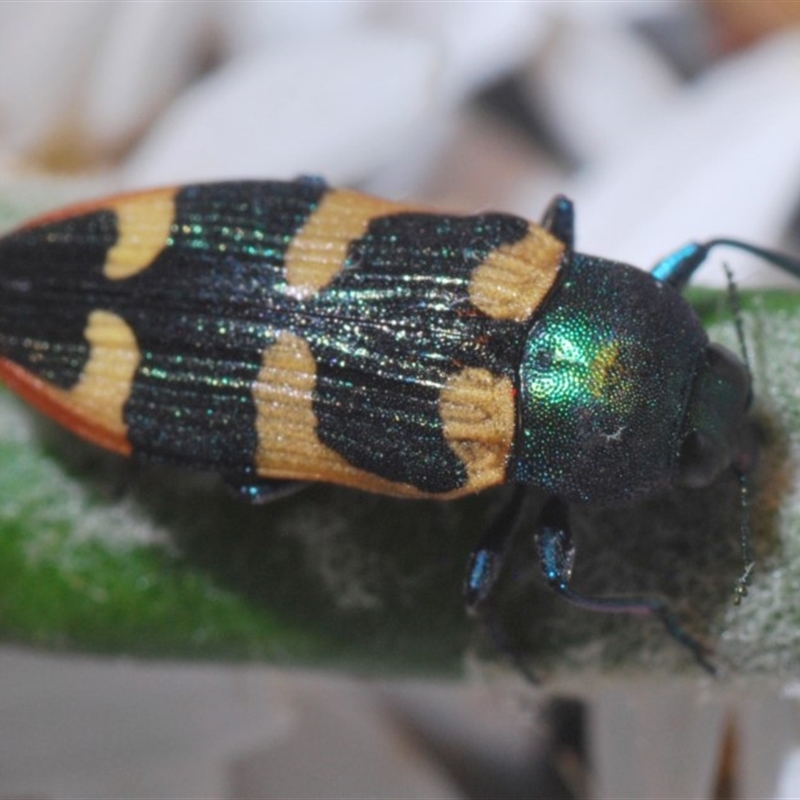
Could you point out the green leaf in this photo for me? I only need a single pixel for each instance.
(97, 556)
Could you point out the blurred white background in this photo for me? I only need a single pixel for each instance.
(665, 121)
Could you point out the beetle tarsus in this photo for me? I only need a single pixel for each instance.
(556, 558)
(501, 643)
(262, 490)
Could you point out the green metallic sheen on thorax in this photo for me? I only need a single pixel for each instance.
(605, 377)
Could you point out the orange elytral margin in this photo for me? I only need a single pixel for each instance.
(106, 203)
(55, 403)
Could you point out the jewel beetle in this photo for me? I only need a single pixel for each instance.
(276, 332)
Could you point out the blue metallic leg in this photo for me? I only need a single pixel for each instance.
(484, 569)
(559, 219)
(262, 490)
(676, 269)
(487, 559)
(556, 558)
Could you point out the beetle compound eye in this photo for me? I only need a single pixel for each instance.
(715, 417)
(699, 461)
(729, 368)
(731, 371)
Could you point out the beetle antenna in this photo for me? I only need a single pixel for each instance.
(746, 539)
(782, 260)
(677, 268)
(745, 531)
(736, 308)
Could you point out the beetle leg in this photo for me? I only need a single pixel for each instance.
(312, 180)
(559, 219)
(556, 558)
(485, 567)
(487, 559)
(677, 268)
(261, 490)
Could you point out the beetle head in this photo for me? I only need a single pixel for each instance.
(715, 431)
(606, 376)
